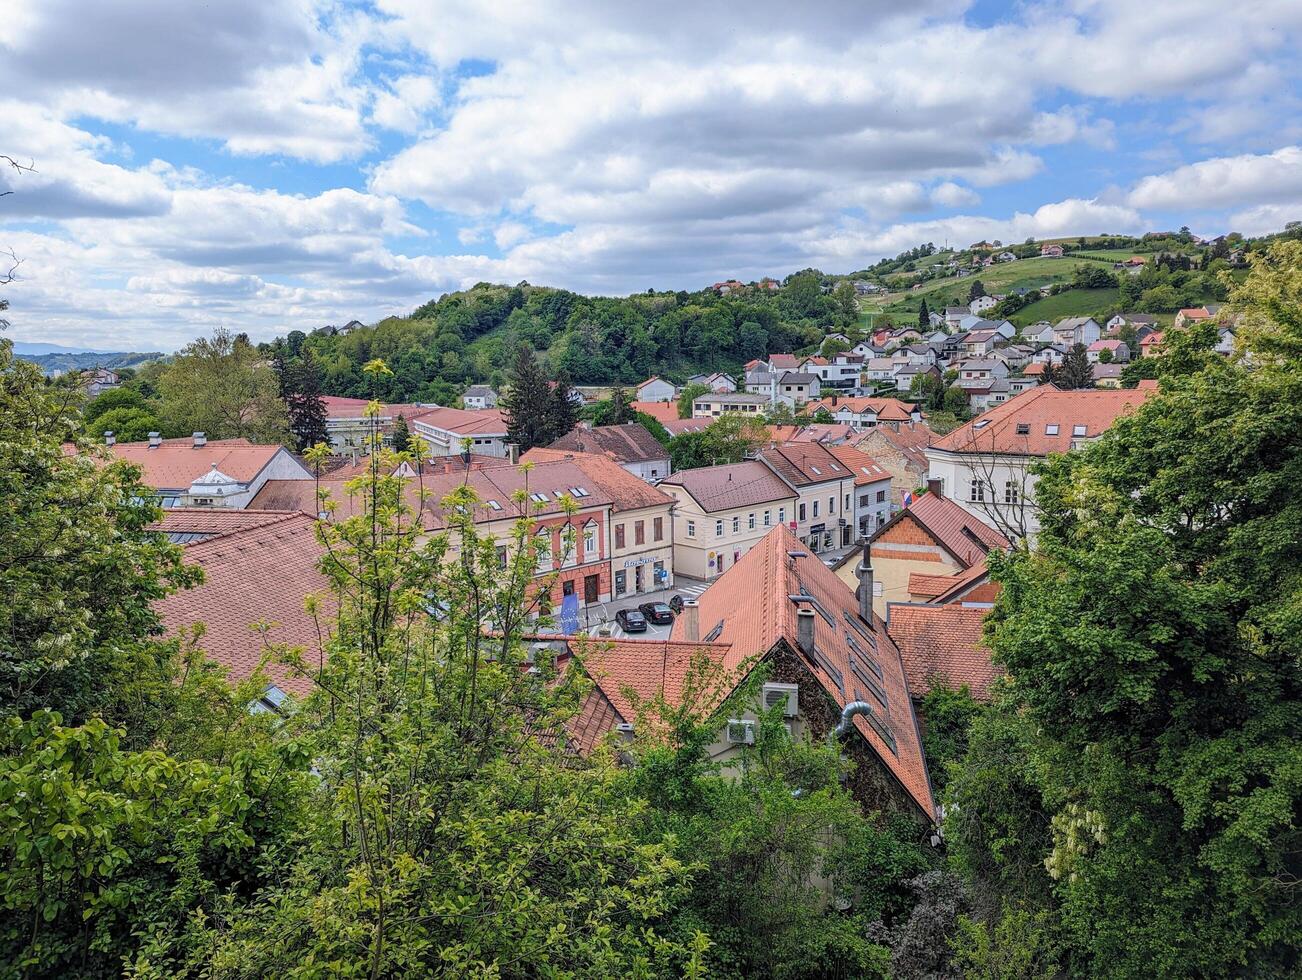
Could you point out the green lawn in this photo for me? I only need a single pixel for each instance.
(999, 278)
(1074, 302)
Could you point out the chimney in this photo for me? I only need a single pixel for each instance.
(866, 585)
(691, 620)
(513, 453)
(109, 437)
(805, 629)
(155, 440)
(200, 440)
(835, 398)
(934, 487)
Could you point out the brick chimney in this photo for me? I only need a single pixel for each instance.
(934, 487)
(691, 620)
(805, 629)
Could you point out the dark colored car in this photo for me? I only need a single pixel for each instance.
(676, 603)
(657, 612)
(631, 621)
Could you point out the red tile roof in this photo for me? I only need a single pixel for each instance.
(484, 421)
(966, 582)
(339, 408)
(885, 409)
(735, 485)
(858, 462)
(803, 464)
(925, 586)
(750, 608)
(941, 644)
(660, 411)
(676, 427)
(965, 537)
(783, 361)
(910, 438)
(260, 574)
(629, 443)
(177, 463)
(1037, 409)
(626, 491)
(186, 525)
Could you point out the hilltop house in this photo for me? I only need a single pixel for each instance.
(478, 396)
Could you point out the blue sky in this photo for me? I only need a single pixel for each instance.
(277, 166)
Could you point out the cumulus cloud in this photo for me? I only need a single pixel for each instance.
(1224, 182)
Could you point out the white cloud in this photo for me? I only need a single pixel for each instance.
(1224, 182)
(951, 195)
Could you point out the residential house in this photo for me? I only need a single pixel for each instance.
(954, 314)
(1012, 356)
(199, 472)
(981, 304)
(824, 490)
(871, 506)
(1040, 332)
(100, 380)
(759, 381)
(641, 545)
(942, 645)
(1224, 340)
(1119, 320)
(931, 536)
(1191, 315)
(1051, 251)
(1025, 381)
(905, 335)
(995, 392)
(450, 431)
(905, 375)
(1151, 344)
(348, 427)
(865, 349)
(655, 389)
(630, 445)
(719, 403)
(662, 412)
(724, 511)
(865, 412)
(923, 354)
(781, 609)
(985, 464)
(795, 388)
(980, 342)
(1006, 257)
(978, 373)
(715, 382)
(478, 396)
(783, 362)
(840, 372)
(1052, 354)
(1120, 352)
(1073, 330)
(880, 369)
(900, 450)
(1106, 375)
(953, 346)
(676, 427)
(728, 287)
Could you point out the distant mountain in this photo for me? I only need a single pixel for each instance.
(22, 347)
(62, 361)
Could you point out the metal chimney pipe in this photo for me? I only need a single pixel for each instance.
(865, 591)
(847, 719)
(691, 620)
(805, 629)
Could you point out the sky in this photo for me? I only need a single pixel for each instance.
(270, 166)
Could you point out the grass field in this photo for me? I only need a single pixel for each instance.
(1074, 302)
(996, 279)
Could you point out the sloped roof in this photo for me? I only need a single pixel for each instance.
(177, 463)
(259, 574)
(911, 439)
(676, 427)
(886, 409)
(484, 421)
(941, 644)
(628, 443)
(803, 464)
(338, 408)
(735, 485)
(660, 411)
(750, 607)
(788, 361)
(186, 525)
(1037, 409)
(954, 529)
(858, 462)
(626, 491)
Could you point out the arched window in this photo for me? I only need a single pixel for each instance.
(591, 548)
(543, 543)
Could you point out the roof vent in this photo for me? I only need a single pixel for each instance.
(200, 440)
(155, 440)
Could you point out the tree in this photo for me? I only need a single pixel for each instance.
(1105, 356)
(1074, 371)
(300, 387)
(222, 386)
(620, 412)
(527, 404)
(689, 394)
(113, 398)
(127, 424)
(563, 412)
(1154, 662)
(976, 290)
(401, 438)
(924, 317)
(956, 401)
(79, 571)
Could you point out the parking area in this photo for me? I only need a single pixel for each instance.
(688, 588)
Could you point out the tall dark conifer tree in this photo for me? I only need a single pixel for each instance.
(924, 317)
(527, 404)
(300, 387)
(564, 413)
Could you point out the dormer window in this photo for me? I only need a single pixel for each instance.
(1051, 429)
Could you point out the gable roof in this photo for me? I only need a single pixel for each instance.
(750, 608)
(1037, 409)
(626, 491)
(787, 361)
(176, 463)
(803, 464)
(885, 409)
(860, 464)
(484, 421)
(186, 525)
(910, 439)
(954, 529)
(941, 644)
(628, 443)
(742, 484)
(255, 575)
(660, 411)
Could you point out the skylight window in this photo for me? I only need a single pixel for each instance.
(1023, 428)
(558, 494)
(1051, 429)
(581, 492)
(539, 497)
(816, 470)
(981, 424)
(835, 468)
(494, 505)
(1078, 430)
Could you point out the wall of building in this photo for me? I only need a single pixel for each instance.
(901, 550)
(706, 554)
(956, 471)
(646, 556)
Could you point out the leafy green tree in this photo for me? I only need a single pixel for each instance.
(689, 394)
(222, 386)
(1154, 666)
(107, 401)
(946, 715)
(79, 571)
(127, 424)
(956, 401)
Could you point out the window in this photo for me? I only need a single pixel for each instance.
(543, 542)
(750, 522)
(831, 505)
(848, 504)
(768, 518)
(619, 535)
(736, 525)
(1023, 428)
(691, 529)
(978, 491)
(1078, 430)
(718, 528)
(1051, 429)
(782, 515)
(881, 496)
(863, 500)
(639, 532)
(657, 529)
(621, 582)
(501, 556)
(815, 508)
(590, 548)
(1011, 493)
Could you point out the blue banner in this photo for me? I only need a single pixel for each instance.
(570, 614)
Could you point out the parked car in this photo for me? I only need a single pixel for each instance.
(657, 612)
(676, 603)
(631, 621)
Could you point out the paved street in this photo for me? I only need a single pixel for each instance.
(688, 588)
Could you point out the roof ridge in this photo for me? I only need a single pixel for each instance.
(284, 516)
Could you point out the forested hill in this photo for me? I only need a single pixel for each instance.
(471, 336)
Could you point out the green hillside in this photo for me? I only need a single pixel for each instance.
(1073, 302)
(999, 278)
